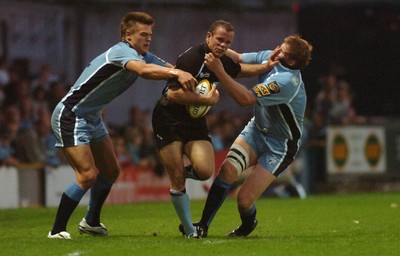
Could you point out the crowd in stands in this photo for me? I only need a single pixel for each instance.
(27, 102)
(332, 106)
(26, 105)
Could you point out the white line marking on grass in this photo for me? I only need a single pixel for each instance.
(77, 253)
(215, 241)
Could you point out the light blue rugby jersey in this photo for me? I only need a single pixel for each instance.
(282, 99)
(104, 79)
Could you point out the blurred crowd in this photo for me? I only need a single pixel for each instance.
(26, 105)
(333, 105)
(27, 102)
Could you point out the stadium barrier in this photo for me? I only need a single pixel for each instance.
(34, 185)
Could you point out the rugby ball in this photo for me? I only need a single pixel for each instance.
(197, 111)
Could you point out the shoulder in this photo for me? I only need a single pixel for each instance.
(191, 58)
(122, 50)
(191, 53)
(226, 61)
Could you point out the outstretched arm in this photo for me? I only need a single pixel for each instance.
(250, 70)
(156, 72)
(237, 91)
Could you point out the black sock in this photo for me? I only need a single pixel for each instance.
(98, 205)
(248, 218)
(64, 212)
(215, 198)
(98, 195)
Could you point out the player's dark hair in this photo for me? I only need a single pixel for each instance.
(300, 51)
(129, 21)
(221, 23)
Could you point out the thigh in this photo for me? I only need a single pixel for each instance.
(201, 155)
(172, 158)
(105, 159)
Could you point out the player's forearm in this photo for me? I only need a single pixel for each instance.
(250, 70)
(156, 72)
(185, 97)
(236, 90)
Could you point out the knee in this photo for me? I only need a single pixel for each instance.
(203, 172)
(202, 176)
(228, 173)
(86, 179)
(112, 174)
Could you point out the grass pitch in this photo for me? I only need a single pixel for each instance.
(356, 224)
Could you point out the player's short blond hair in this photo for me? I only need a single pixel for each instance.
(299, 50)
(131, 19)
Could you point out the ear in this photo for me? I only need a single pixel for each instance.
(128, 36)
(208, 36)
(291, 62)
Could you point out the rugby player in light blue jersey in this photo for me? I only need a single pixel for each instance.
(79, 128)
(270, 141)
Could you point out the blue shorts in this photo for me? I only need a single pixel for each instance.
(72, 130)
(274, 154)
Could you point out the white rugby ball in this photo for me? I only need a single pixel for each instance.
(197, 111)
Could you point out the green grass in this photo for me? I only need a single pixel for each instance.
(357, 224)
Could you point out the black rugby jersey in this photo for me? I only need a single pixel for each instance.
(192, 61)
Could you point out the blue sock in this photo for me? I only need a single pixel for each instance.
(75, 192)
(98, 195)
(180, 200)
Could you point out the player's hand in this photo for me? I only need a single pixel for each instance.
(273, 57)
(213, 95)
(186, 79)
(213, 63)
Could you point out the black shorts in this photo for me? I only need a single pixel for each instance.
(171, 122)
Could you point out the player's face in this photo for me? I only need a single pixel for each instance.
(285, 52)
(219, 41)
(140, 38)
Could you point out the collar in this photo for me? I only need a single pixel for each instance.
(283, 63)
(205, 47)
(130, 46)
(127, 43)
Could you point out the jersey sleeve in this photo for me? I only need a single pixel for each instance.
(274, 91)
(256, 57)
(231, 68)
(120, 56)
(151, 58)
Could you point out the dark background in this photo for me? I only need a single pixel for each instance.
(360, 42)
